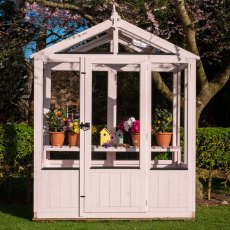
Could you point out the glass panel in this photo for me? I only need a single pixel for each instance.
(162, 125)
(182, 83)
(128, 96)
(65, 94)
(99, 110)
(161, 156)
(128, 104)
(162, 119)
(56, 155)
(127, 156)
(105, 121)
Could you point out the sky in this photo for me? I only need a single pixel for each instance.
(55, 24)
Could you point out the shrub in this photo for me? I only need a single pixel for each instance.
(213, 151)
(16, 148)
(16, 151)
(162, 120)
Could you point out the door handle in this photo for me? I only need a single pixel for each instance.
(85, 126)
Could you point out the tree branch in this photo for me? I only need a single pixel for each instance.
(207, 93)
(161, 86)
(67, 6)
(190, 38)
(223, 77)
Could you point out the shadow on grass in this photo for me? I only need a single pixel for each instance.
(16, 197)
(16, 190)
(18, 210)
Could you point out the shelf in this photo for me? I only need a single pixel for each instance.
(61, 163)
(95, 148)
(165, 149)
(68, 163)
(114, 149)
(63, 148)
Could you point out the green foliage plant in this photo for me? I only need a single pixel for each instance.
(16, 150)
(74, 125)
(162, 120)
(56, 119)
(213, 152)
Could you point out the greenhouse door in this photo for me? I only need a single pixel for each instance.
(105, 186)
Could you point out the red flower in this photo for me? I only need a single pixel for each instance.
(135, 127)
(121, 126)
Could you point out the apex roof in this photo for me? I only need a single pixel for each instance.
(115, 33)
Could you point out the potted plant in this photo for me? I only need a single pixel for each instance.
(133, 126)
(73, 132)
(56, 120)
(162, 123)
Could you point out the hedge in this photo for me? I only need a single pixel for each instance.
(16, 154)
(213, 153)
(213, 148)
(16, 147)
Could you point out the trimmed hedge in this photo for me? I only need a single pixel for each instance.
(16, 154)
(213, 153)
(16, 148)
(213, 148)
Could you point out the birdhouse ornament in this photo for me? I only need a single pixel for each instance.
(119, 137)
(104, 136)
(112, 139)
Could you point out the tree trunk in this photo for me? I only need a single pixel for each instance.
(31, 106)
(30, 111)
(199, 189)
(209, 184)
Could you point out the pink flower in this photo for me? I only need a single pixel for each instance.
(135, 127)
(130, 125)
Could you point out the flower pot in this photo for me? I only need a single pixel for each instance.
(136, 139)
(73, 139)
(57, 138)
(163, 139)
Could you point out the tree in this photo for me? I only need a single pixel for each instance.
(21, 23)
(52, 25)
(202, 28)
(216, 42)
(14, 33)
(199, 26)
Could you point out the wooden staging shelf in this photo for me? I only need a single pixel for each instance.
(110, 149)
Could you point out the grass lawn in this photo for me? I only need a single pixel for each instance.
(19, 217)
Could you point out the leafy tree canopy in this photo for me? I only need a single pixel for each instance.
(200, 26)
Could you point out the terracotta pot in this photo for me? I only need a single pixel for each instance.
(57, 138)
(73, 139)
(163, 139)
(136, 139)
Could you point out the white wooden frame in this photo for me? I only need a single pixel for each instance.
(175, 59)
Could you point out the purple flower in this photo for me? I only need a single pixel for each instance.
(65, 127)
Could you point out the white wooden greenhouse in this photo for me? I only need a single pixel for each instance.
(113, 188)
